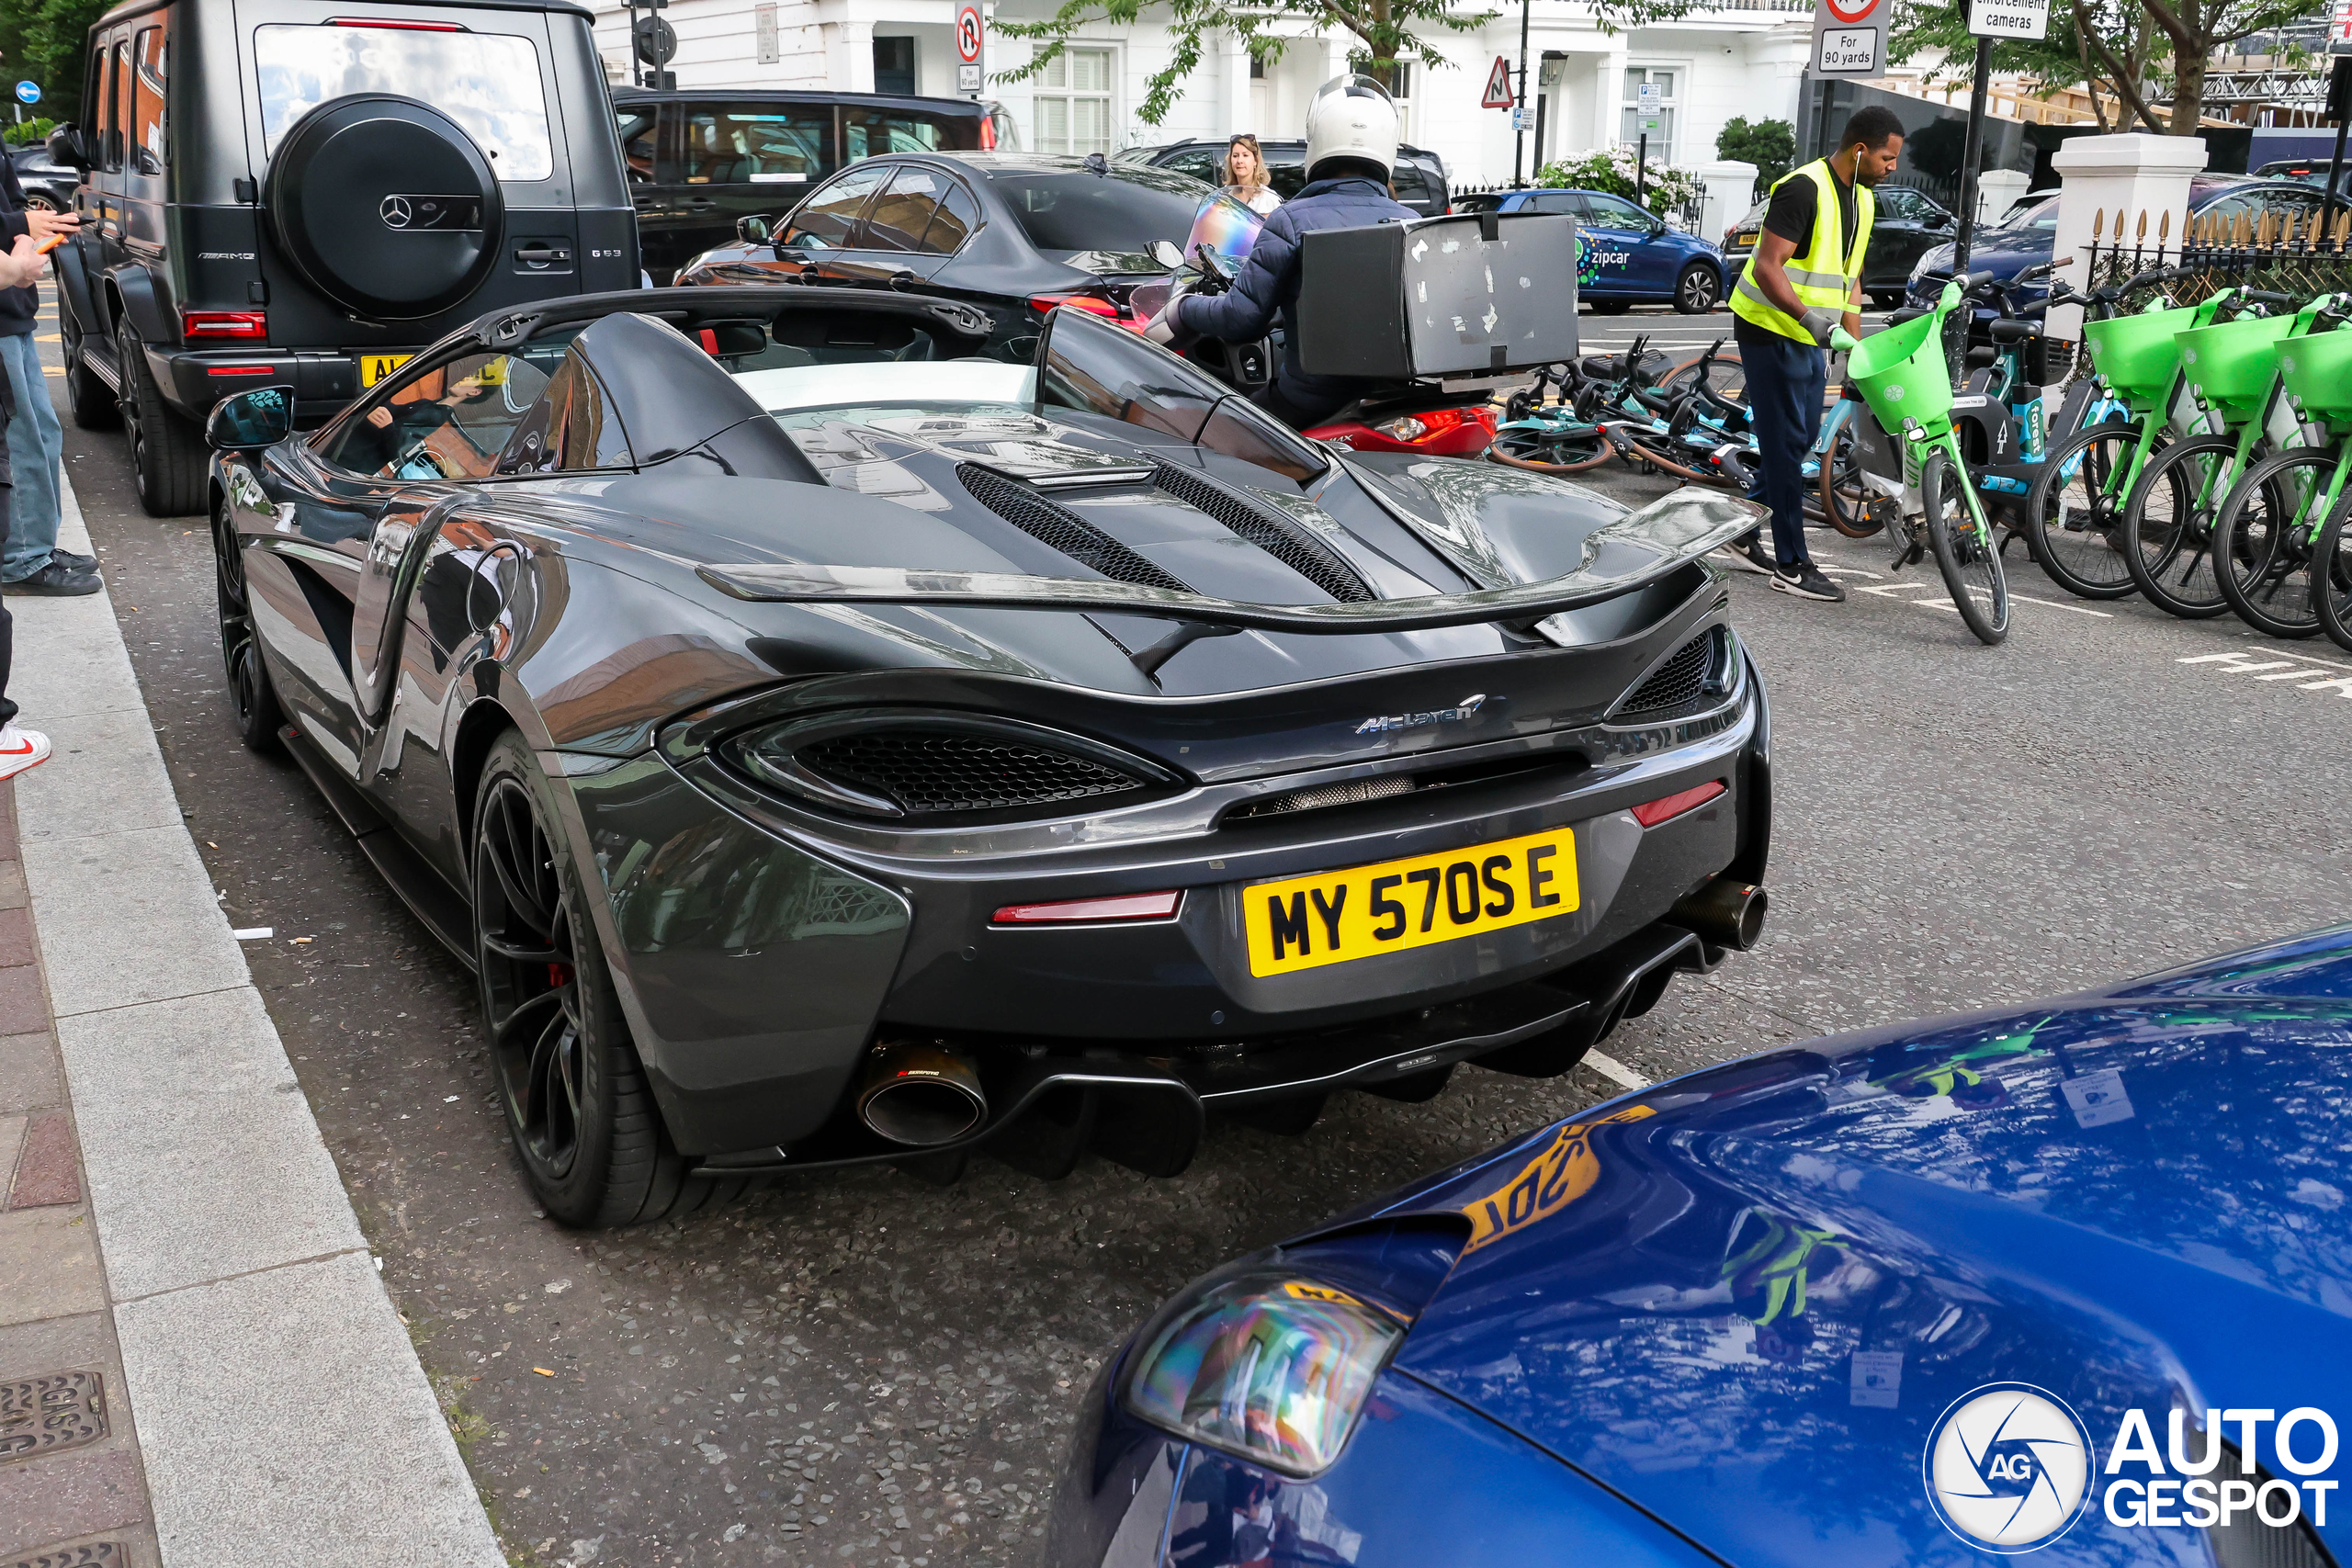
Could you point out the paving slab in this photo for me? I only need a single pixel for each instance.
(126, 919)
(69, 1494)
(48, 1171)
(29, 1072)
(49, 1265)
(234, 1178)
(105, 775)
(287, 1408)
(69, 661)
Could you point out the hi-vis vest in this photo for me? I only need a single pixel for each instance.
(1825, 289)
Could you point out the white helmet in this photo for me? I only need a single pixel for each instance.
(1351, 116)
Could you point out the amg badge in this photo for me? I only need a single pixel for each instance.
(1382, 723)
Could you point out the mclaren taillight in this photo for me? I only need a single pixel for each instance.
(1266, 1365)
(247, 326)
(1650, 813)
(1091, 911)
(1092, 303)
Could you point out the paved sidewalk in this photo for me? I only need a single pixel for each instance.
(192, 1256)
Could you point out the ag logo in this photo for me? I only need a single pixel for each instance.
(395, 212)
(2008, 1467)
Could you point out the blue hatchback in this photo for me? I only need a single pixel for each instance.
(1630, 257)
(2076, 1275)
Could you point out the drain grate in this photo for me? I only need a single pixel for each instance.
(97, 1555)
(50, 1414)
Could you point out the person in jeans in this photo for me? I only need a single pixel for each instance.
(1801, 293)
(19, 749)
(33, 563)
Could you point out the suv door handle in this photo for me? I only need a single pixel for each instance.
(701, 203)
(539, 254)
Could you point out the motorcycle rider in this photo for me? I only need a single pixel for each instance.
(1350, 153)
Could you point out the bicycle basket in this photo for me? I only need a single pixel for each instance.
(1903, 372)
(2230, 365)
(2318, 373)
(2137, 354)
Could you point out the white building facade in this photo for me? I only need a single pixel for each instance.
(1729, 58)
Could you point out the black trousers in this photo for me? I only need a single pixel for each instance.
(7, 621)
(1785, 379)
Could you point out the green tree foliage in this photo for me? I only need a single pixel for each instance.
(40, 40)
(1769, 144)
(25, 132)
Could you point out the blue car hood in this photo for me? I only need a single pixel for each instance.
(1742, 1300)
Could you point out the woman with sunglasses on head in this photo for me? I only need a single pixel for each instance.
(1244, 174)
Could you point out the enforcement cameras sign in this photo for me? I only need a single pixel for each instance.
(1849, 37)
(2009, 19)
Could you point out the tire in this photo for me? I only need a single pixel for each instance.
(1610, 307)
(1674, 466)
(1698, 290)
(1969, 558)
(2074, 518)
(1570, 455)
(2262, 543)
(2167, 527)
(1845, 496)
(252, 700)
(35, 201)
(90, 401)
(578, 1108)
(2332, 575)
(167, 452)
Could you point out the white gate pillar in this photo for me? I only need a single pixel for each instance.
(2110, 182)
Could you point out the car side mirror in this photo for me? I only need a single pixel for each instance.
(1168, 253)
(251, 421)
(752, 230)
(1939, 220)
(66, 147)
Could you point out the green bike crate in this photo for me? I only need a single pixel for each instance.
(2318, 373)
(2229, 366)
(2137, 354)
(1903, 375)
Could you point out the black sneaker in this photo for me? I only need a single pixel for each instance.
(67, 557)
(1745, 555)
(1804, 581)
(54, 582)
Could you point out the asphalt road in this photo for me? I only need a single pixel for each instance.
(859, 1367)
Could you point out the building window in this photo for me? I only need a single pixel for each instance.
(1400, 87)
(894, 65)
(1073, 103)
(1636, 121)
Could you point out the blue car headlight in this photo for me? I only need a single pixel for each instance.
(1265, 1365)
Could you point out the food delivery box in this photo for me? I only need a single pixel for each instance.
(1472, 294)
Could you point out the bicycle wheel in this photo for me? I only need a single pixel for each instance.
(2073, 516)
(1561, 452)
(1657, 456)
(1844, 494)
(2332, 574)
(1966, 552)
(1725, 376)
(2168, 526)
(2262, 542)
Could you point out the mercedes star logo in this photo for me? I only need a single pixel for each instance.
(395, 212)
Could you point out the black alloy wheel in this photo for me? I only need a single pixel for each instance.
(578, 1107)
(252, 697)
(1697, 291)
(167, 452)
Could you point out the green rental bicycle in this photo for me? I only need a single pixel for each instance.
(2265, 540)
(2075, 513)
(1904, 375)
(2172, 515)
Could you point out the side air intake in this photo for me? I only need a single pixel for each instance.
(1693, 679)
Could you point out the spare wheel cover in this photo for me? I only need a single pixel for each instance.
(385, 205)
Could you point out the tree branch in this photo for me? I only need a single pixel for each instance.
(2127, 87)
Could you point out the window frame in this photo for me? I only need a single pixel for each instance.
(137, 153)
(1669, 105)
(1042, 93)
(855, 228)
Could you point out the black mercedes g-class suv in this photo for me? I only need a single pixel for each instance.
(297, 192)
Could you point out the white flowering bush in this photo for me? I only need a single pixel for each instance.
(1665, 189)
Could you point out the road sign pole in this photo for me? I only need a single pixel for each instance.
(1519, 119)
(1641, 167)
(1971, 149)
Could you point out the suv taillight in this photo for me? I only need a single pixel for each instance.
(988, 133)
(245, 326)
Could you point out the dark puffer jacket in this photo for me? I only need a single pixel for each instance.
(1270, 279)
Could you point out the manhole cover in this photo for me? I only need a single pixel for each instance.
(104, 1554)
(52, 1412)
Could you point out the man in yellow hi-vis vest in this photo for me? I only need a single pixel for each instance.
(1803, 289)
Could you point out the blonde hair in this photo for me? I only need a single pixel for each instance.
(1258, 153)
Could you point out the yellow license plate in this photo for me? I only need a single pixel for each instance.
(1336, 917)
(374, 367)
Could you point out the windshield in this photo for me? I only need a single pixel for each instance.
(2040, 215)
(1226, 227)
(487, 82)
(1121, 210)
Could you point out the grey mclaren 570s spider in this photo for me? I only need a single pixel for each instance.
(829, 744)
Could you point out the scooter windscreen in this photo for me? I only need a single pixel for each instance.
(1226, 227)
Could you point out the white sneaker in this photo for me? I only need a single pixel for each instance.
(22, 748)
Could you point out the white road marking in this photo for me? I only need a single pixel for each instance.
(2061, 605)
(2289, 669)
(1615, 1071)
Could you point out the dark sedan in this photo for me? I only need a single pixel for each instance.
(830, 740)
(1418, 179)
(1015, 233)
(48, 184)
(1909, 223)
(2074, 1275)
